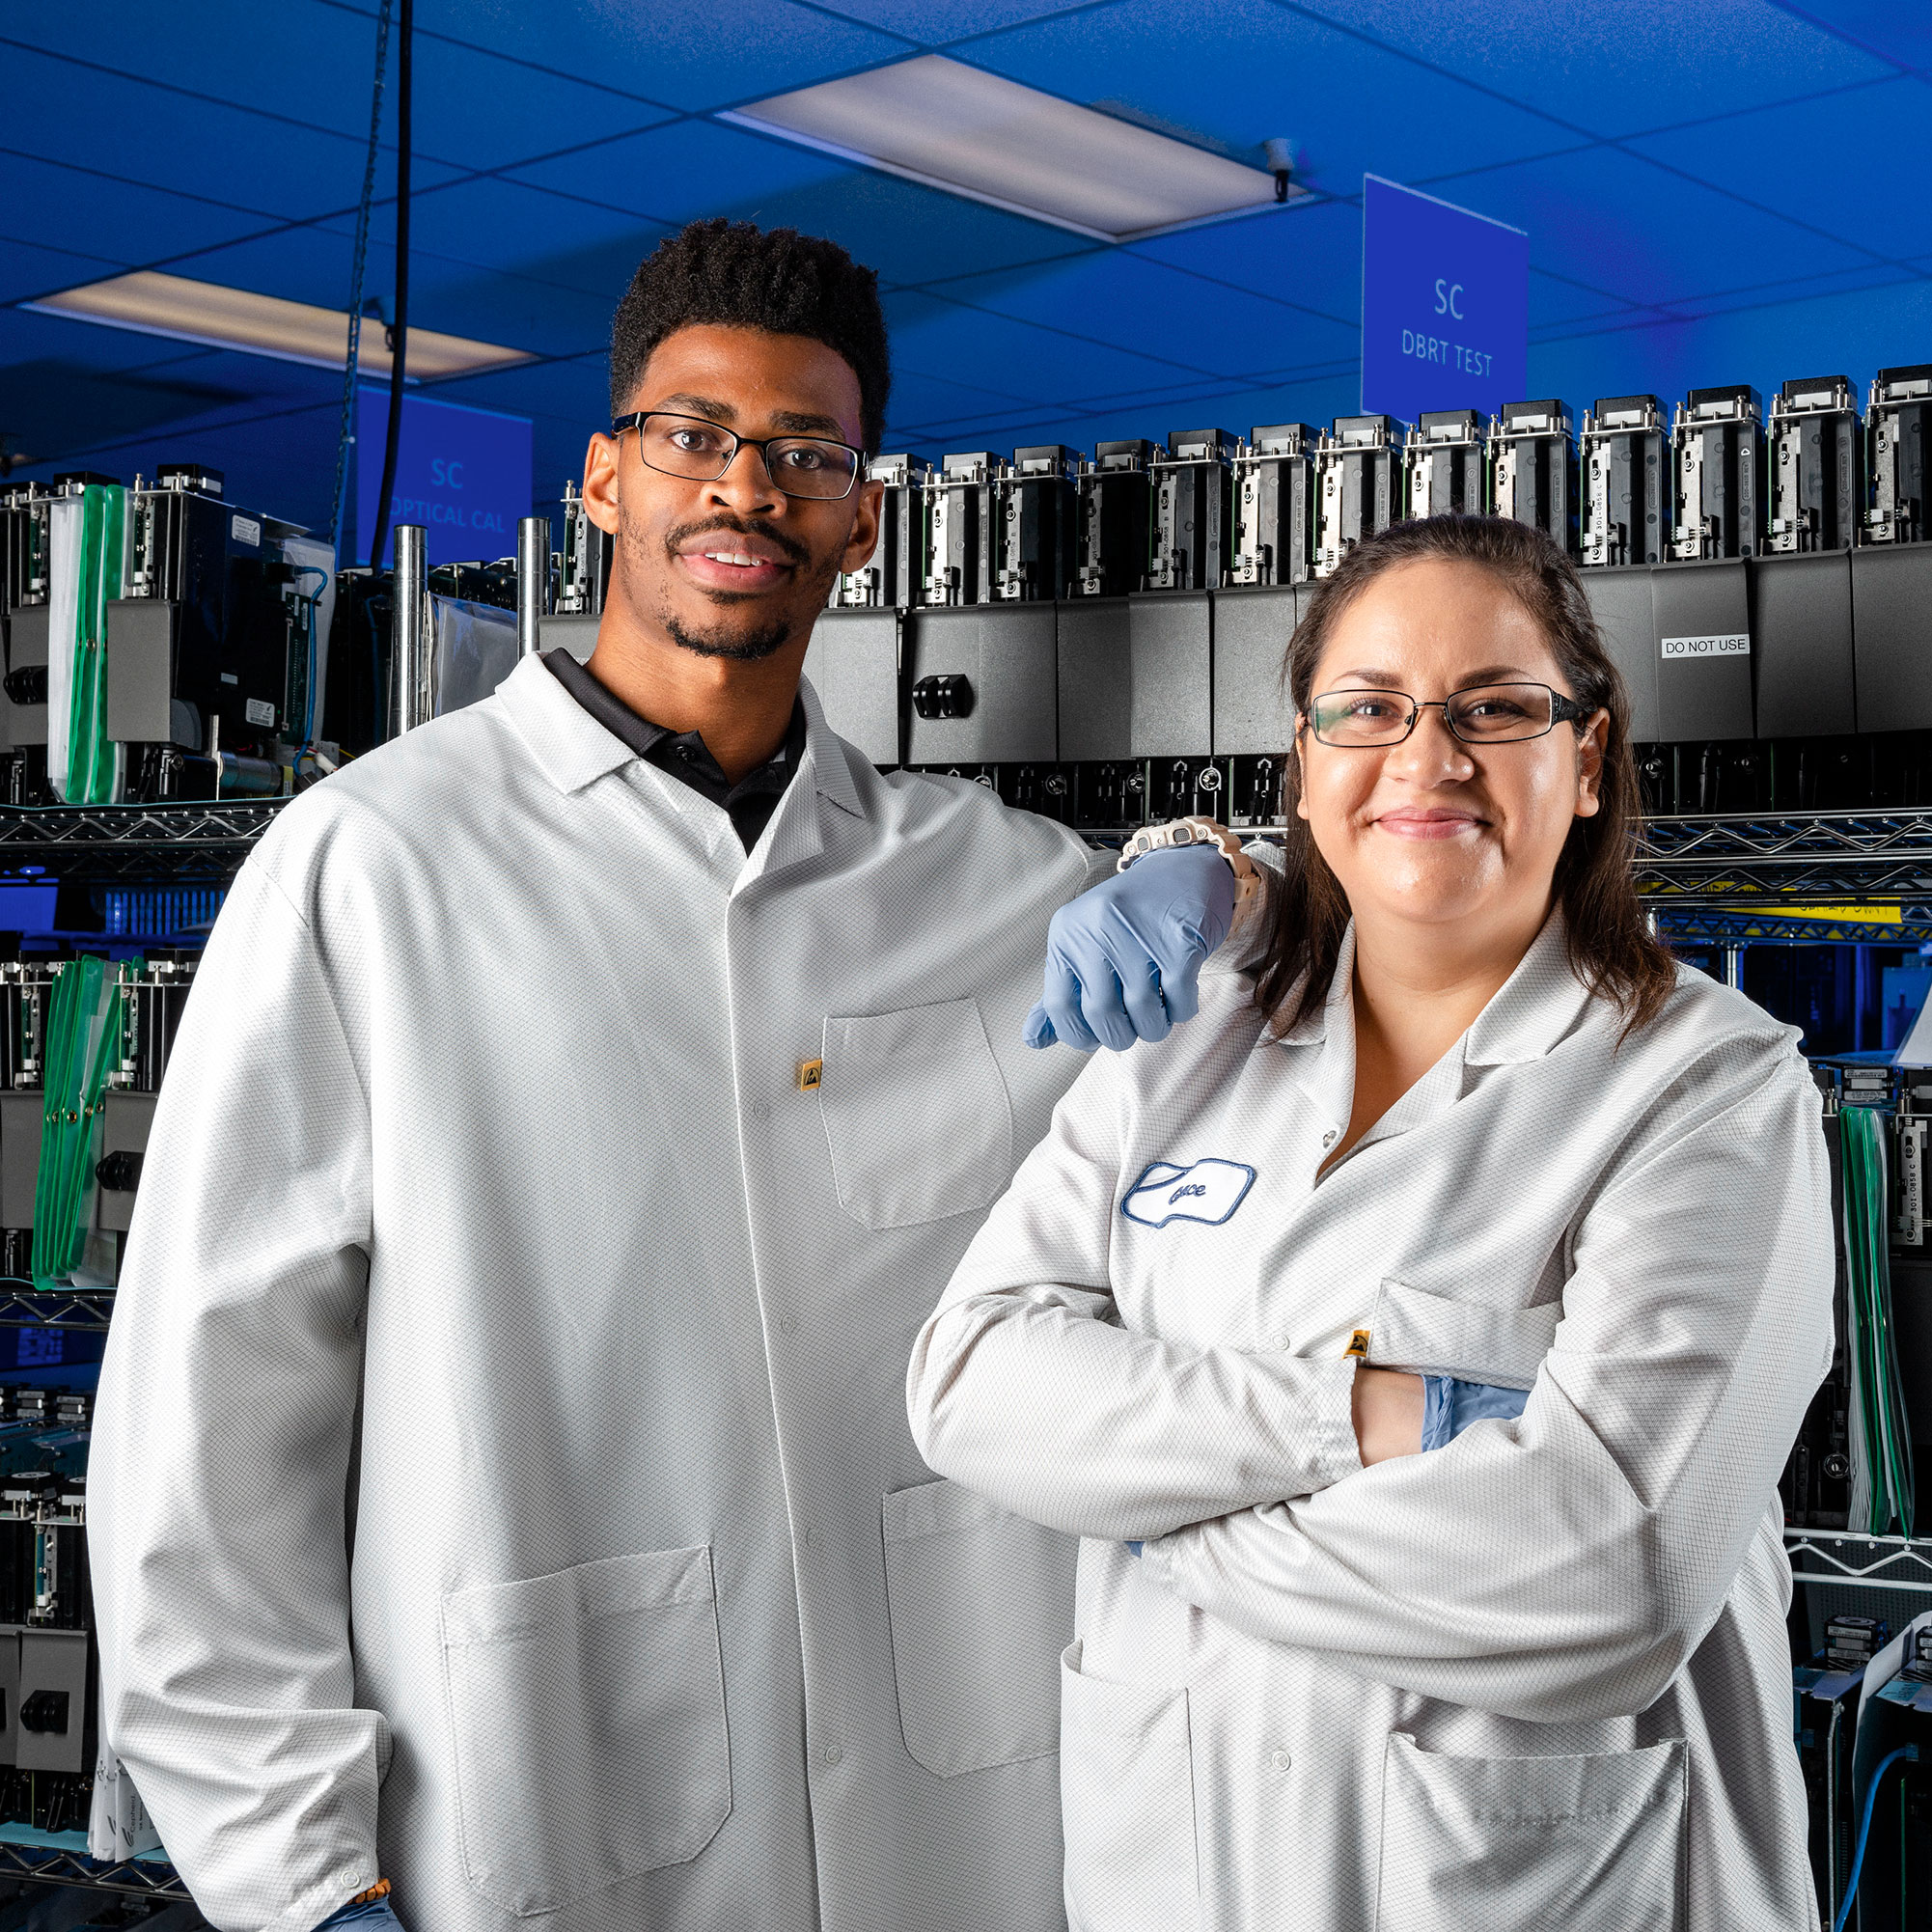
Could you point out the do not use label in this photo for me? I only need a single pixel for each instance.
(1731, 644)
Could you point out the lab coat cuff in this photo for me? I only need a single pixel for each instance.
(1335, 1452)
(1160, 1558)
(326, 1899)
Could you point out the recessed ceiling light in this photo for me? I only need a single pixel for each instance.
(952, 127)
(152, 304)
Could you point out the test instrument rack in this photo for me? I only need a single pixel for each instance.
(43, 1489)
(170, 848)
(217, 616)
(1761, 579)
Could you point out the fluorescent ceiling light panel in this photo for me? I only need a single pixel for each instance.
(152, 304)
(951, 126)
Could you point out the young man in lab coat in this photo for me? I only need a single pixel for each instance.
(502, 1484)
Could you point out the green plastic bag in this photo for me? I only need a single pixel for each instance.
(87, 570)
(83, 1046)
(1883, 1476)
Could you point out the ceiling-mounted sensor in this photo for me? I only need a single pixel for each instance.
(1280, 154)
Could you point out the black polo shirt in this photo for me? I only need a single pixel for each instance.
(751, 801)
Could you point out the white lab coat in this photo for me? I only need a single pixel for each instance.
(484, 1198)
(1535, 1679)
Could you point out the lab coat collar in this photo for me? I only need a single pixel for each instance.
(1315, 1024)
(794, 832)
(828, 759)
(1538, 1004)
(574, 750)
(1328, 1076)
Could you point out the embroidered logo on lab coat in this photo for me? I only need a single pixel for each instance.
(1208, 1191)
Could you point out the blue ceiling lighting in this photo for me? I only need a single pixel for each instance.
(1695, 183)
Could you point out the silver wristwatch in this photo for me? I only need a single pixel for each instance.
(1195, 831)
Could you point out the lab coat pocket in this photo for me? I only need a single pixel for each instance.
(981, 1604)
(1518, 1844)
(589, 1715)
(917, 1115)
(1126, 1799)
(1441, 1335)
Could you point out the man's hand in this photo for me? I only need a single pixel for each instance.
(1124, 960)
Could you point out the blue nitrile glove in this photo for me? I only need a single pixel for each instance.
(1450, 1406)
(375, 1916)
(1124, 960)
(1135, 1548)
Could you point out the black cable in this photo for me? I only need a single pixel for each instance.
(339, 519)
(400, 328)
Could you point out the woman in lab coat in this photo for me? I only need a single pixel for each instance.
(1463, 1122)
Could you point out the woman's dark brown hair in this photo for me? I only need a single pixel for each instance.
(1610, 947)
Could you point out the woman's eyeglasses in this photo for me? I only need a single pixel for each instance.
(1485, 714)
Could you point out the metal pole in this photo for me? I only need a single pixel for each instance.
(1734, 967)
(412, 654)
(532, 583)
(398, 329)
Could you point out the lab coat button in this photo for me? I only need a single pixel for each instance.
(787, 1324)
(1280, 1759)
(829, 1754)
(1328, 1139)
(761, 1111)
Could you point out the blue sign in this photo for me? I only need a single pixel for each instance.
(463, 473)
(1445, 306)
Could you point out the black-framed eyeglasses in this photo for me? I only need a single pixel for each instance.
(1484, 714)
(700, 451)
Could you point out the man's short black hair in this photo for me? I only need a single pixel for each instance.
(782, 282)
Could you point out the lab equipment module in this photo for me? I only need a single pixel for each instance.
(1533, 468)
(1629, 509)
(1445, 466)
(1193, 519)
(1717, 440)
(959, 568)
(459, 649)
(1116, 512)
(584, 571)
(49, 1662)
(1277, 505)
(1898, 427)
(1035, 523)
(1818, 487)
(178, 635)
(1359, 464)
(898, 570)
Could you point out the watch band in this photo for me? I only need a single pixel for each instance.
(1195, 831)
